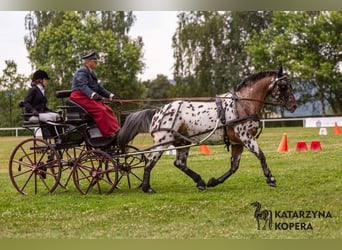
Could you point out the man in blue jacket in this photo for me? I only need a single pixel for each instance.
(87, 92)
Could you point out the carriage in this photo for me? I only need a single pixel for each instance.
(73, 149)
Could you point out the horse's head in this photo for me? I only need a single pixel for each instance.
(282, 92)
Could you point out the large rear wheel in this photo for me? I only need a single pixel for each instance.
(35, 166)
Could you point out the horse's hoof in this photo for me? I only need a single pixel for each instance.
(212, 182)
(272, 182)
(148, 190)
(151, 191)
(201, 185)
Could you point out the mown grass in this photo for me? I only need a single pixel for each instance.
(306, 181)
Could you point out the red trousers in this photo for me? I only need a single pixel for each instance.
(102, 114)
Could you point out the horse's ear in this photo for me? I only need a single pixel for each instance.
(280, 71)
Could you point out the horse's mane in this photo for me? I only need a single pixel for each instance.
(253, 78)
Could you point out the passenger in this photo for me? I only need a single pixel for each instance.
(35, 102)
(87, 92)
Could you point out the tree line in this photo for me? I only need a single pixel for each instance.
(213, 51)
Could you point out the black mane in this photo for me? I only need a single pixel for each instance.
(253, 78)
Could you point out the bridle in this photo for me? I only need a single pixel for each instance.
(284, 96)
(278, 102)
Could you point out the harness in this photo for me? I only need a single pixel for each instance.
(221, 114)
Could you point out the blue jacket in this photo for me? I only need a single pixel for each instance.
(87, 82)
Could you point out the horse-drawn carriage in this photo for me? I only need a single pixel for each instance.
(74, 149)
(70, 149)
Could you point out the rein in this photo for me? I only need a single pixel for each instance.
(205, 99)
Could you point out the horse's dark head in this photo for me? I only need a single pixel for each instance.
(282, 92)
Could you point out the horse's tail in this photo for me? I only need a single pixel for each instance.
(135, 123)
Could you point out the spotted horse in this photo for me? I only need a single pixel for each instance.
(231, 118)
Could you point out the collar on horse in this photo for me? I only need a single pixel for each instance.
(221, 114)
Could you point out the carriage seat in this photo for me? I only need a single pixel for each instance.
(27, 123)
(74, 113)
(63, 93)
(47, 130)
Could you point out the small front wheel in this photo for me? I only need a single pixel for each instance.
(95, 172)
(131, 164)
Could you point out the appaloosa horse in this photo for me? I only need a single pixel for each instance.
(184, 122)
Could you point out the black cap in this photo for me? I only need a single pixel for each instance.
(40, 74)
(90, 57)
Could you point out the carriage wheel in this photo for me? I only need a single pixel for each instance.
(35, 166)
(131, 166)
(69, 157)
(95, 172)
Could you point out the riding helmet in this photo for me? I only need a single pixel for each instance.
(40, 74)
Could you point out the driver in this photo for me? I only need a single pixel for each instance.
(87, 92)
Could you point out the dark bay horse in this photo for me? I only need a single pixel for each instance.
(232, 119)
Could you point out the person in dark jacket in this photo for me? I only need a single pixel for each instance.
(87, 92)
(35, 102)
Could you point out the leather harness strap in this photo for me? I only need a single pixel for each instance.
(221, 114)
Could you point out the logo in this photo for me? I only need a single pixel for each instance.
(263, 217)
(286, 219)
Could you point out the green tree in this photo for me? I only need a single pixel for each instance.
(309, 45)
(12, 90)
(158, 88)
(209, 49)
(58, 39)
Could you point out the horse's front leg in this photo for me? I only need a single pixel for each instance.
(237, 150)
(252, 146)
(181, 163)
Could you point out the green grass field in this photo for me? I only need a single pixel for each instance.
(307, 181)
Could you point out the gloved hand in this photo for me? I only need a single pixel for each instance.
(97, 97)
(35, 113)
(115, 97)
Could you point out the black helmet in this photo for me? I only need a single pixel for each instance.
(40, 74)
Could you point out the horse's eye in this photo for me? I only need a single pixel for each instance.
(283, 86)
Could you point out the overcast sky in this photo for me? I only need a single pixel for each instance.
(156, 28)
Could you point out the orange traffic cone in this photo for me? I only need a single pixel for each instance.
(204, 149)
(283, 147)
(337, 130)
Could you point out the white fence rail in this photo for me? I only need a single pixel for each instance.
(13, 129)
(307, 122)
